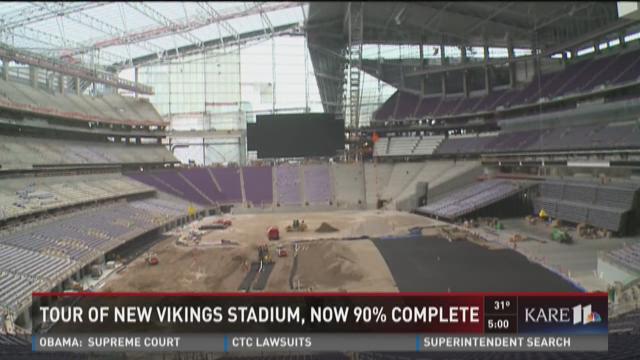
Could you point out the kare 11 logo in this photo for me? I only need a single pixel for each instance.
(577, 315)
(584, 315)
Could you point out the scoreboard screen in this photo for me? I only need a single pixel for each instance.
(295, 135)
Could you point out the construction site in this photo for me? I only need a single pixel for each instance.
(356, 251)
(258, 147)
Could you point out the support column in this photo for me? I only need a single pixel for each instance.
(465, 82)
(5, 69)
(204, 159)
(61, 84)
(443, 77)
(621, 36)
(242, 144)
(423, 87)
(465, 72)
(33, 76)
(596, 48)
(512, 69)
(487, 74)
(76, 85)
(536, 57)
(135, 73)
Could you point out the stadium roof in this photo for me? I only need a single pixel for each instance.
(134, 33)
(116, 35)
(468, 23)
(545, 25)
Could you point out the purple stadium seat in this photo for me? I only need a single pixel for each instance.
(229, 180)
(385, 112)
(202, 179)
(173, 180)
(427, 106)
(258, 185)
(148, 178)
(317, 184)
(288, 185)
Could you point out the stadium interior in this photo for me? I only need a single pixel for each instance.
(487, 146)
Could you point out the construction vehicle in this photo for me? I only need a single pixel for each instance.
(543, 214)
(281, 251)
(297, 226)
(561, 236)
(152, 259)
(273, 233)
(263, 254)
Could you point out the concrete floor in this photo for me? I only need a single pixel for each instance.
(578, 260)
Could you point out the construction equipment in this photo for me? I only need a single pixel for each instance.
(543, 214)
(561, 236)
(152, 259)
(297, 226)
(273, 233)
(263, 255)
(281, 251)
(531, 220)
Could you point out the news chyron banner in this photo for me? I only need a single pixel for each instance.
(234, 323)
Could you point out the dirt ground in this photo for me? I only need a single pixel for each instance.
(355, 265)
(323, 265)
(250, 229)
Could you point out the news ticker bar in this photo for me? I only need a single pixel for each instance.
(279, 343)
(523, 313)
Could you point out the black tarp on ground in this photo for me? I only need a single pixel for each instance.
(463, 267)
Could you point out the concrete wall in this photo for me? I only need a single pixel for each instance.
(348, 182)
(376, 176)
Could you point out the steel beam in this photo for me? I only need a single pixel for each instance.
(37, 13)
(51, 39)
(205, 134)
(216, 14)
(185, 26)
(209, 45)
(95, 24)
(102, 77)
(167, 23)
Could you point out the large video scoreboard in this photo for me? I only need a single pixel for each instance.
(268, 322)
(295, 135)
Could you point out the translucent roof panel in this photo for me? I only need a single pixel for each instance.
(10, 7)
(134, 29)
